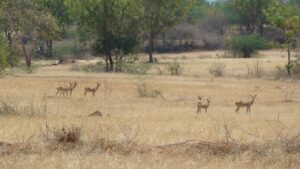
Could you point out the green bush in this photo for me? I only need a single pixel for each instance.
(135, 68)
(67, 49)
(246, 45)
(132, 65)
(90, 68)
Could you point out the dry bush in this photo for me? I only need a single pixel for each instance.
(280, 72)
(255, 71)
(8, 108)
(107, 88)
(119, 139)
(159, 70)
(288, 93)
(146, 90)
(35, 108)
(290, 144)
(196, 147)
(175, 68)
(217, 69)
(64, 137)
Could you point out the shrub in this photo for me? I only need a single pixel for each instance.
(296, 66)
(280, 72)
(67, 49)
(145, 89)
(8, 108)
(24, 69)
(246, 44)
(64, 137)
(136, 68)
(131, 64)
(217, 69)
(90, 68)
(175, 68)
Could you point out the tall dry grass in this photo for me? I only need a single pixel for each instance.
(45, 131)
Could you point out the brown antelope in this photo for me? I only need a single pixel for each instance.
(201, 105)
(247, 105)
(91, 90)
(63, 90)
(72, 87)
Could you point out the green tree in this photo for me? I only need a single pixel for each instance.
(25, 21)
(59, 10)
(4, 53)
(247, 44)
(112, 26)
(284, 17)
(249, 14)
(160, 15)
(198, 11)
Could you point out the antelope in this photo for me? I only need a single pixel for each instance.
(91, 90)
(63, 90)
(247, 105)
(201, 105)
(72, 87)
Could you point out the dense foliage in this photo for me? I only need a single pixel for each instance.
(4, 54)
(115, 29)
(247, 44)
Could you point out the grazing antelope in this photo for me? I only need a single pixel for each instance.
(91, 90)
(247, 105)
(201, 105)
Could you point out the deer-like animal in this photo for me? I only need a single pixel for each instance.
(72, 87)
(63, 90)
(247, 105)
(201, 105)
(91, 90)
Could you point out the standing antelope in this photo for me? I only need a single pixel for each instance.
(247, 105)
(201, 105)
(63, 90)
(91, 90)
(72, 87)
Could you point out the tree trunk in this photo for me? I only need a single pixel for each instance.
(50, 48)
(26, 56)
(289, 66)
(9, 38)
(10, 44)
(261, 29)
(106, 63)
(111, 62)
(151, 48)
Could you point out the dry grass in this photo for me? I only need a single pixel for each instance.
(139, 132)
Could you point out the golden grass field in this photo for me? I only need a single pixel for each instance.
(163, 131)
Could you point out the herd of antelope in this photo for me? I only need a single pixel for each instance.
(201, 104)
(239, 104)
(67, 91)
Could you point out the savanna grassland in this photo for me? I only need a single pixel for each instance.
(160, 132)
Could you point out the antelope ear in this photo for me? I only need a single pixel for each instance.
(199, 97)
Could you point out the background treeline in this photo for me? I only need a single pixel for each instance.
(114, 29)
